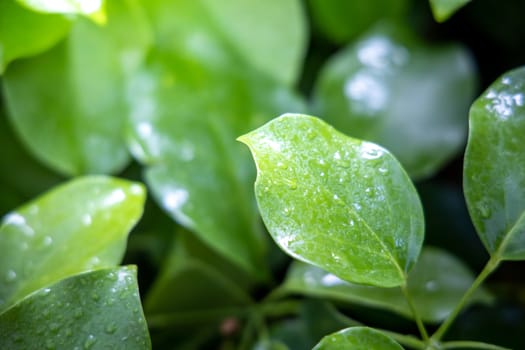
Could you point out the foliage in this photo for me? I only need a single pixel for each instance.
(103, 99)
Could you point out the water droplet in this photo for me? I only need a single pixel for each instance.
(311, 134)
(371, 151)
(337, 155)
(357, 206)
(111, 328)
(484, 210)
(352, 223)
(286, 212)
(10, 276)
(291, 184)
(86, 219)
(266, 189)
(95, 296)
(431, 286)
(282, 165)
(47, 241)
(383, 170)
(90, 341)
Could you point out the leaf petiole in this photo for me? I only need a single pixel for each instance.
(413, 309)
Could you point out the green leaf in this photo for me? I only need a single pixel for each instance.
(24, 33)
(79, 226)
(99, 310)
(242, 29)
(342, 20)
(357, 338)
(443, 9)
(75, 121)
(340, 203)
(436, 284)
(196, 170)
(379, 89)
(494, 173)
(94, 9)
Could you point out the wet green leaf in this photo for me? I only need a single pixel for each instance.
(184, 122)
(357, 338)
(340, 203)
(95, 310)
(494, 174)
(443, 9)
(219, 29)
(411, 98)
(79, 226)
(93, 9)
(436, 284)
(24, 33)
(68, 104)
(343, 20)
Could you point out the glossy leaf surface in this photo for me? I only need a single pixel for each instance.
(436, 284)
(24, 33)
(93, 9)
(68, 104)
(239, 28)
(357, 338)
(343, 20)
(340, 203)
(494, 174)
(184, 121)
(443, 9)
(79, 226)
(408, 97)
(95, 310)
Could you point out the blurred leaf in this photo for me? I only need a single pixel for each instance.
(79, 226)
(357, 338)
(68, 104)
(24, 33)
(99, 309)
(270, 345)
(218, 29)
(436, 284)
(407, 97)
(370, 232)
(494, 175)
(342, 20)
(93, 9)
(443, 9)
(184, 122)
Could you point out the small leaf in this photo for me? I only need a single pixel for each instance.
(379, 89)
(24, 33)
(357, 338)
(93, 9)
(75, 121)
(340, 203)
(79, 226)
(443, 9)
(494, 174)
(99, 310)
(436, 284)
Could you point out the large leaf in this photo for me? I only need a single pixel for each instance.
(494, 174)
(93, 9)
(357, 338)
(443, 9)
(95, 310)
(340, 203)
(25, 33)
(77, 110)
(184, 121)
(436, 284)
(79, 226)
(240, 28)
(342, 20)
(408, 97)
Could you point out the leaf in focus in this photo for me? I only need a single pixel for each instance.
(436, 284)
(408, 97)
(93, 9)
(24, 33)
(494, 167)
(336, 202)
(68, 104)
(357, 338)
(342, 20)
(99, 309)
(443, 9)
(79, 226)
(240, 28)
(185, 117)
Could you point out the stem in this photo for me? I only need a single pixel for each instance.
(491, 265)
(413, 309)
(472, 345)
